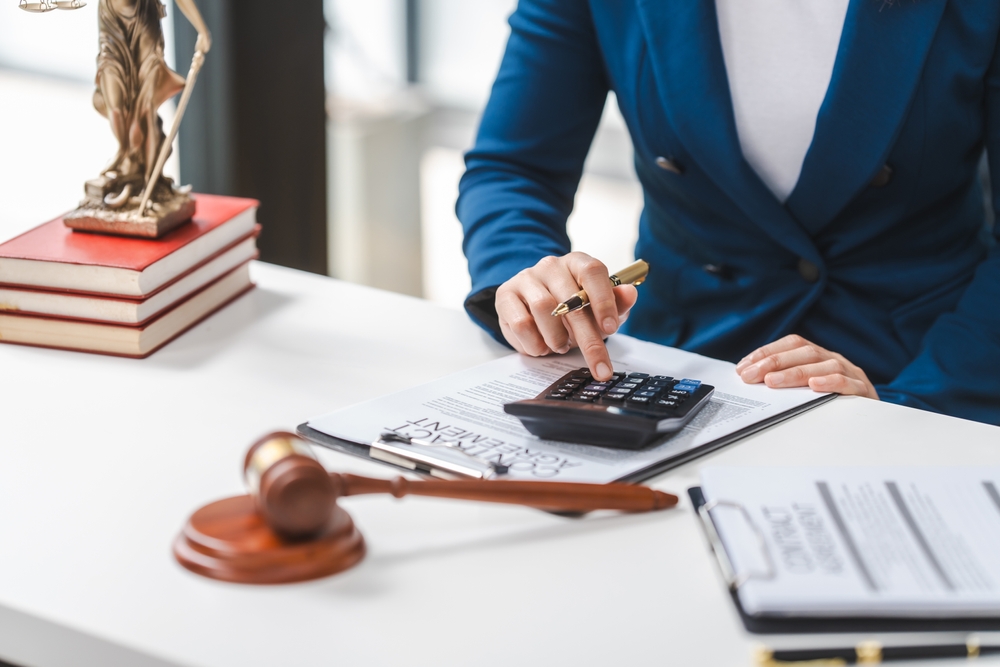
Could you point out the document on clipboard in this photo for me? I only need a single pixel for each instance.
(840, 543)
(465, 411)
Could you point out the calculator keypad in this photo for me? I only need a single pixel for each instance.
(657, 393)
(628, 411)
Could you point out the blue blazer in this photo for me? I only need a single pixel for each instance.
(881, 252)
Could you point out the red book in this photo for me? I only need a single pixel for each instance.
(130, 310)
(52, 256)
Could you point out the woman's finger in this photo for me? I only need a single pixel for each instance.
(841, 384)
(515, 317)
(799, 356)
(540, 301)
(625, 298)
(511, 338)
(781, 345)
(557, 279)
(799, 376)
(592, 275)
(590, 340)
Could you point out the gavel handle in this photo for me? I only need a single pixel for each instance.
(542, 495)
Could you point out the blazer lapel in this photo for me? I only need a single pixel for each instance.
(687, 61)
(881, 57)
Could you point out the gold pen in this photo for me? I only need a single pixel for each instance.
(633, 274)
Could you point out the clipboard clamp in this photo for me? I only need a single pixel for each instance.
(439, 459)
(733, 578)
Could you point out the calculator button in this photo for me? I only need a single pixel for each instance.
(656, 385)
(680, 393)
(662, 378)
(667, 403)
(686, 387)
(628, 385)
(594, 387)
(621, 391)
(647, 394)
(611, 396)
(607, 383)
(639, 399)
(690, 382)
(591, 394)
(642, 376)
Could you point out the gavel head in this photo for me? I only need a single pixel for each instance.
(293, 492)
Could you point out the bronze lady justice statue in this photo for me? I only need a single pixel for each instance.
(132, 196)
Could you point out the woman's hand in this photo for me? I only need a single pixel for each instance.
(795, 362)
(526, 301)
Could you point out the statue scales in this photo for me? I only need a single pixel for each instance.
(132, 197)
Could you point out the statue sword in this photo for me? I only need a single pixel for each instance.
(196, 62)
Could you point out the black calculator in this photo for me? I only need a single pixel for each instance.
(629, 411)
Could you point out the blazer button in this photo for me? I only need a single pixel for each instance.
(808, 271)
(883, 177)
(719, 270)
(669, 165)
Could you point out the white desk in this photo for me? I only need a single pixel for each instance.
(101, 460)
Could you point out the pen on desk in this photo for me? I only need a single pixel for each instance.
(633, 274)
(869, 653)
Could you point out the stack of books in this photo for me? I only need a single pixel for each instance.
(125, 296)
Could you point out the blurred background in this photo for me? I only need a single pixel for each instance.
(348, 120)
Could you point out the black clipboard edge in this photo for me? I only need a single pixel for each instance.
(691, 454)
(775, 625)
(361, 450)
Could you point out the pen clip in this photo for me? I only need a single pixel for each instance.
(735, 579)
(462, 464)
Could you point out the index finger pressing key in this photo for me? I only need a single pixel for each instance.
(591, 343)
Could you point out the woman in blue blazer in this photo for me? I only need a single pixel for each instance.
(877, 273)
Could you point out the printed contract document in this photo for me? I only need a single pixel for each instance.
(860, 542)
(466, 409)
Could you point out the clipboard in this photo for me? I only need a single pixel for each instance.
(774, 625)
(641, 475)
(466, 408)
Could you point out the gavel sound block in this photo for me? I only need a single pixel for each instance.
(290, 528)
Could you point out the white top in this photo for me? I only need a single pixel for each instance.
(101, 460)
(779, 57)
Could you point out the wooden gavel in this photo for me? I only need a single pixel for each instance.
(290, 527)
(296, 495)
